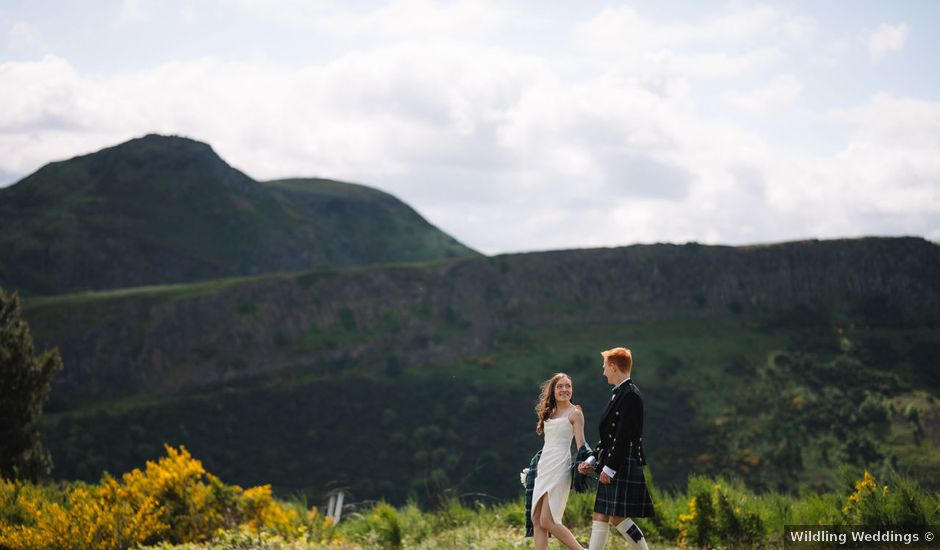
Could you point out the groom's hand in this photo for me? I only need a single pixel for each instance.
(605, 479)
(585, 468)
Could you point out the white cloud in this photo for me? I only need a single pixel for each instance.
(508, 151)
(718, 46)
(36, 95)
(892, 156)
(188, 12)
(395, 18)
(781, 91)
(886, 180)
(23, 36)
(138, 11)
(889, 121)
(800, 28)
(624, 29)
(493, 147)
(887, 39)
(830, 53)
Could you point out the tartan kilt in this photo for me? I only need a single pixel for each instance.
(626, 495)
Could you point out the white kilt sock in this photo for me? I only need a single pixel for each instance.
(631, 532)
(599, 531)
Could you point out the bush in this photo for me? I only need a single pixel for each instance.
(510, 514)
(385, 523)
(909, 506)
(452, 513)
(721, 515)
(84, 517)
(579, 510)
(901, 503)
(416, 524)
(738, 525)
(697, 527)
(665, 524)
(813, 509)
(173, 500)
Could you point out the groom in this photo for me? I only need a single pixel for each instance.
(622, 492)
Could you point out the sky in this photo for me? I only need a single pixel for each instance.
(514, 126)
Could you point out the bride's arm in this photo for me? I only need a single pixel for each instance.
(577, 422)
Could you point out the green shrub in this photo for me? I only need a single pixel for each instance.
(720, 514)
(579, 511)
(909, 506)
(697, 527)
(739, 524)
(384, 521)
(510, 514)
(900, 502)
(665, 524)
(453, 514)
(416, 524)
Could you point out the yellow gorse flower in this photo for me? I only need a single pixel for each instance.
(173, 499)
(866, 491)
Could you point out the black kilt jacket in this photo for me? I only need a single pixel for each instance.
(621, 449)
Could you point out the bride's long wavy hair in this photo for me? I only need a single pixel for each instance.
(546, 404)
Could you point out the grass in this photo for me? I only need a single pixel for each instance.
(182, 291)
(179, 291)
(192, 509)
(327, 187)
(733, 518)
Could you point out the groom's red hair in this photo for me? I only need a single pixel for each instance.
(621, 358)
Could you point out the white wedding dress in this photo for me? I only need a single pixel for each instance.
(553, 473)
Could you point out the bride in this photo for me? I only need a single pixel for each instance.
(559, 421)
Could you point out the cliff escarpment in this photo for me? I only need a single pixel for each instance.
(178, 338)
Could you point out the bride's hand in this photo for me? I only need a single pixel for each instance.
(585, 468)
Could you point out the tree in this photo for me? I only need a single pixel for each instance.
(25, 381)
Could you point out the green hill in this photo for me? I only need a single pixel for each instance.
(163, 209)
(772, 364)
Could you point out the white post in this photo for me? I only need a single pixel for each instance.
(331, 507)
(338, 511)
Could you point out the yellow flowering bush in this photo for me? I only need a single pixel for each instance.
(868, 503)
(720, 515)
(172, 500)
(258, 507)
(85, 517)
(903, 503)
(697, 527)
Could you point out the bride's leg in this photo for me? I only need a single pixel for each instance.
(559, 530)
(538, 533)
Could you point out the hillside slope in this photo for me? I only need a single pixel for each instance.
(773, 364)
(162, 209)
(183, 337)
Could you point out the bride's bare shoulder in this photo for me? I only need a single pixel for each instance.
(577, 414)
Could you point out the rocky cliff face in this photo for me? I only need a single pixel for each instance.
(378, 317)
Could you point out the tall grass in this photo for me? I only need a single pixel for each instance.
(175, 503)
